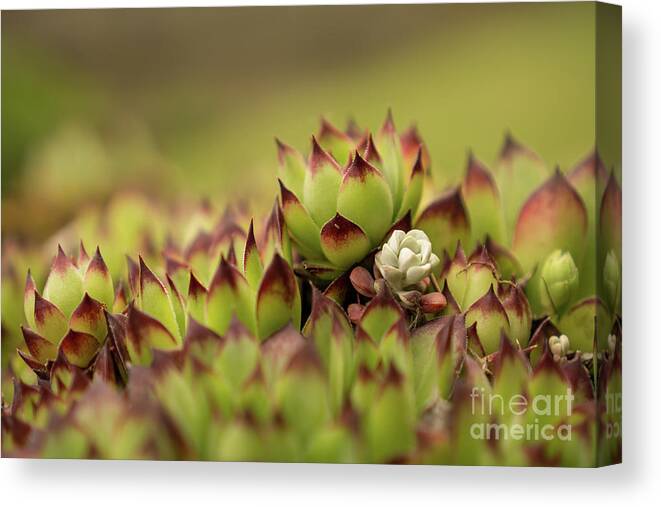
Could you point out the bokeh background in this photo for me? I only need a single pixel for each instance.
(186, 102)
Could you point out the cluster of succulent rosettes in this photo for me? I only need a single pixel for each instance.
(261, 290)
(341, 201)
(374, 391)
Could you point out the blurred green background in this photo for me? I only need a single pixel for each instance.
(186, 102)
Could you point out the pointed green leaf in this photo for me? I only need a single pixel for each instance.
(445, 221)
(155, 301)
(79, 348)
(365, 199)
(64, 286)
(343, 242)
(89, 318)
(40, 348)
(252, 263)
(301, 226)
(97, 282)
(49, 320)
(322, 182)
(292, 167)
(278, 299)
(229, 294)
(483, 203)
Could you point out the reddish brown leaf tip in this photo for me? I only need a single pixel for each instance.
(389, 124)
(251, 243)
(327, 129)
(591, 167)
(449, 206)
(278, 278)
(320, 157)
(306, 359)
(195, 287)
(148, 276)
(340, 229)
(477, 176)
(393, 377)
(359, 169)
(283, 150)
(97, 263)
(61, 262)
(369, 150)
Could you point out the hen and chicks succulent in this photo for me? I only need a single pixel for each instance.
(346, 326)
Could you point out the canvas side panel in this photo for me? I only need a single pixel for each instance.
(608, 127)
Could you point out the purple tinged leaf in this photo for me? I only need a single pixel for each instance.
(519, 171)
(362, 192)
(49, 320)
(610, 219)
(292, 167)
(41, 349)
(121, 301)
(336, 142)
(413, 192)
(196, 301)
(380, 314)
(278, 299)
(178, 270)
(79, 348)
(97, 281)
(554, 217)
(178, 305)
(83, 258)
(275, 238)
(343, 242)
(322, 182)
(155, 301)
(491, 319)
(143, 333)
(445, 221)
(302, 228)
(414, 148)
(483, 203)
(337, 290)
(229, 294)
(89, 318)
(28, 299)
(518, 312)
(133, 271)
(507, 264)
(252, 263)
(64, 285)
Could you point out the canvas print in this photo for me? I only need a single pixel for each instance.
(357, 234)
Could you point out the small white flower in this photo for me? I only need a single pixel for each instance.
(406, 259)
(559, 346)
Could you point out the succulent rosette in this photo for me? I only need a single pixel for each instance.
(342, 200)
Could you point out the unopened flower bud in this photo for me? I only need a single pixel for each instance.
(362, 281)
(433, 302)
(355, 312)
(558, 282)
